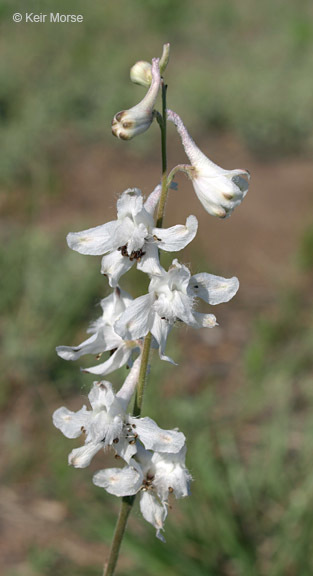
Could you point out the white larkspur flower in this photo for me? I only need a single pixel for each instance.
(133, 237)
(107, 424)
(104, 338)
(218, 190)
(141, 72)
(155, 476)
(172, 297)
(129, 123)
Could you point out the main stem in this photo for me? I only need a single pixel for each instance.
(161, 207)
(128, 501)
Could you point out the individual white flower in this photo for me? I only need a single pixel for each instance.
(141, 72)
(104, 337)
(218, 190)
(133, 237)
(107, 424)
(155, 476)
(129, 123)
(172, 297)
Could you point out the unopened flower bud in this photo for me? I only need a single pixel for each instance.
(218, 190)
(164, 58)
(141, 74)
(129, 123)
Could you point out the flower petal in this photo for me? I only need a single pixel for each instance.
(81, 457)
(154, 438)
(203, 320)
(101, 394)
(114, 265)
(93, 241)
(125, 450)
(117, 360)
(105, 428)
(125, 228)
(177, 237)
(129, 203)
(119, 481)
(153, 512)
(160, 331)
(137, 319)
(71, 423)
(213, 289)
(149, 262)
(93, 345)
(137, 238)
(171, 474)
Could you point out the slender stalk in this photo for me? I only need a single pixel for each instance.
(161, 207)
(128, 501)
(186, 168)
(142, 375)
(126, 506)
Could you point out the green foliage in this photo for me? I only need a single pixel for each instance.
(47, 291)
(51, 563)
(306, 250)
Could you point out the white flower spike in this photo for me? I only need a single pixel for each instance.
(104, 338)
(129, 123)
(107, 424)
(171, 298)
(218, 190)
(155, 476)
(133, 237)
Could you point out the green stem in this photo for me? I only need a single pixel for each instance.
(142, 375)
(161, 207)
(127, 502)
(126, 506)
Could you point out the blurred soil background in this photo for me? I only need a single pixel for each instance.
(241, 77)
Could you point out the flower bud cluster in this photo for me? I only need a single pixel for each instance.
(154, 459)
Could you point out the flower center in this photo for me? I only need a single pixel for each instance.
(134, 255)
(147, 483)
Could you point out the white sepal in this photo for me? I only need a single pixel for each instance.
(177, 237)
(93, 345)
(81, 457)
(118, 359)
(154, 438)
(213, 289)
(137, 319)
(160, 331)
(154, 512)
(114, 265)
(149, 262)
(171, 474)
(71, 423)
(119, 481)
(93, 241)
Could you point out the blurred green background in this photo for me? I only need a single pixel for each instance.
(240, 75)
